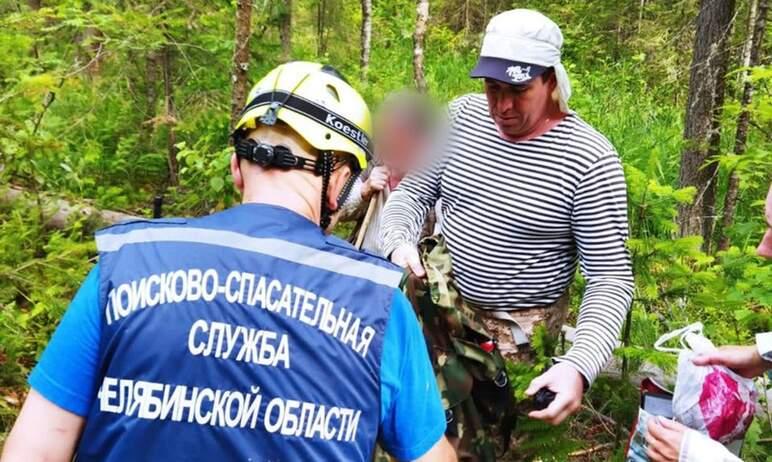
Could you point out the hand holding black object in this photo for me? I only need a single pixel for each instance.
(540, 400)
(565, 381)
(543, 398)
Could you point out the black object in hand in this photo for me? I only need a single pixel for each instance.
(543, 398)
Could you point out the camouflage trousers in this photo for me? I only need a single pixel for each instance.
(513, 329)
(468, 347)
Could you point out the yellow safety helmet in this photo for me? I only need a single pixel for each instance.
(315, 101)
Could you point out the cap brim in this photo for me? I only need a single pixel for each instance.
(507, 71)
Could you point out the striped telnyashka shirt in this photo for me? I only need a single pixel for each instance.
(519, 217)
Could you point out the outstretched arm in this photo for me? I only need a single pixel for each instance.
(441, 452)
(406, 209)
(52, 418)
(600, 231)
(748, 361)
(42, 432)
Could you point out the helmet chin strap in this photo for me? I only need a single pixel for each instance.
(327, 164)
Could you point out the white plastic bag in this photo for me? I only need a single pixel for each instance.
(713, 400)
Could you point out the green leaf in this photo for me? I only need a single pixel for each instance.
(216, 183)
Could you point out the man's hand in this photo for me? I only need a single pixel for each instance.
(566, 383)
(663, 438)
(745, 360)
(406, 256)
(377, 181)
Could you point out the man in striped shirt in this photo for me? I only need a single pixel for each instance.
(529, 190)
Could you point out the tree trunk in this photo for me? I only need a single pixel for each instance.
(366, 33)
(419, 37)
(35, 5)
(240, 58)
(285, 31)
(321, 40)
(93, 54)
(466, 17)
(755, 38)
(703, 110)
(152, 77)
(170, 118)
(58, 213)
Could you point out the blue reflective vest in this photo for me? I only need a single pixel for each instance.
(245, 335)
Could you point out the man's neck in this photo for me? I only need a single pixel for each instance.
(549, 120)
(282, 193)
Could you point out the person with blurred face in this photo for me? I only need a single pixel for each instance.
(529, 192)
(404, 128)
(670, 441)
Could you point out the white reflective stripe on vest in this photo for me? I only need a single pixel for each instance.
(276, 248)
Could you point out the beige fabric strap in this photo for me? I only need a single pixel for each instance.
(518, 333)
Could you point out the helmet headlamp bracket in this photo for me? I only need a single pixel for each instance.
(270, 117)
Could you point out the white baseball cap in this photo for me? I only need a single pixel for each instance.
(518, 46)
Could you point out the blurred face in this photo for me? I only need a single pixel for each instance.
(518, 109)
(399, 145)
(765, 247)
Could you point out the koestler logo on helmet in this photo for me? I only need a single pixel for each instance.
(350, 131)
(519, 74)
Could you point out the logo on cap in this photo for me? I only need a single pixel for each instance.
(519, 74)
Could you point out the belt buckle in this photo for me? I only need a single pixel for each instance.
(501, 379)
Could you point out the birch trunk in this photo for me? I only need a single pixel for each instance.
(419, 38)
(240, 58)
(366, 34)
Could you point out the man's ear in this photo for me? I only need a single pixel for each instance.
(552, 81)
(338, 180)
(238, 178)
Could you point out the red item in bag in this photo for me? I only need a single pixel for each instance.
(722, 406)
(712, 400)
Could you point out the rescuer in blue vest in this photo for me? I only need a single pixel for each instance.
(246, 335)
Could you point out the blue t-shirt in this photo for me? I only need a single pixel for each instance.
(412, 417)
